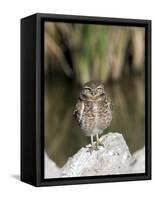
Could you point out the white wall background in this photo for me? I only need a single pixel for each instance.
(10, 14)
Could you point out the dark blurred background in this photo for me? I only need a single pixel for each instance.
(77, 53)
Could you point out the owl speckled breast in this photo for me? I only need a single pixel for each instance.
(96, 117)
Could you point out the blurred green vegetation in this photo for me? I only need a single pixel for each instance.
(77, 53)
(90, 52)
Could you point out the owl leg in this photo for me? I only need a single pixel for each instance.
(92, 143)
(98, 142)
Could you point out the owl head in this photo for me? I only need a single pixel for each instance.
(92, 90)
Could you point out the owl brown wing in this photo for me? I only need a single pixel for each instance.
(78, 111)
(108, 99)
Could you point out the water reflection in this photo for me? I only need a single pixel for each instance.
(63, 137)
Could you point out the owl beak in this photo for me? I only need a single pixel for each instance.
(93, 93)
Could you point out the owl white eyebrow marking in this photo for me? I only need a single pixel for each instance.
(100, 87)
(86, 87)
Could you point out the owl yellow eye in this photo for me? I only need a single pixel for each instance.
(99, 89)
(87, 89)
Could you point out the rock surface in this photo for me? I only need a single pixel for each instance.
(51, 170)
(111, 158)
(138, 162)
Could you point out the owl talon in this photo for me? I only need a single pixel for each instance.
(92, 148)
(95, 148)
(100, 144)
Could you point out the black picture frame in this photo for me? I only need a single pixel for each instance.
(32, 99)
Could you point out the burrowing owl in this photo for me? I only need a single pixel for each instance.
(93, 110)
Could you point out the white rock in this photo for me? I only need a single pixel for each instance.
(51, 170)
(112, 158)
(138, 162)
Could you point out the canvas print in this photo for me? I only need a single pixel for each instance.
(94, 100)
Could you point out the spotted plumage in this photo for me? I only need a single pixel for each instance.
(93, 110)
